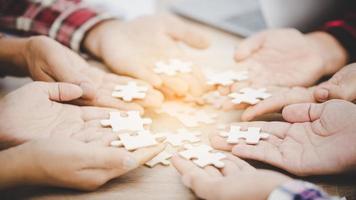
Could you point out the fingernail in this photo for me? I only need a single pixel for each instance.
(130, 163)
(186, 181)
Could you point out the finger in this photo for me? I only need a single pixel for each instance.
(188, 34)
(230, 168)
(145, 154)
(193, 177)
(220, 143)
(264, 152)
(109, 102)
(61, 91)
(241, 164)
(299, 113)
(92, 134)
(153, 99)
(278, 101)
(95, 113)
(329, 90)
(176, 85)
(249, 46)
(212, 171)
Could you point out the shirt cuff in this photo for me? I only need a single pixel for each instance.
(300, 190)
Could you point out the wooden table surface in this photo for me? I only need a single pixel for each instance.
(164, 182)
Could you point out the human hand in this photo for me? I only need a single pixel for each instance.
(34, 111)
(237, 180)
(49, 61)
(302, 144)
(286, 57)
(132, 48)
(68, 163)
(341, 86)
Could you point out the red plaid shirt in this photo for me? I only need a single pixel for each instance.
(66, 21)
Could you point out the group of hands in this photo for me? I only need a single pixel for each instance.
(56, 119)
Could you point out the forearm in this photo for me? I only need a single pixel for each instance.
(12, 59)
(333, 54)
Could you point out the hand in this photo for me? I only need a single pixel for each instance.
(49, 61)
(132, 48)
(302, 144)
(237, 180)
(70, 163)
(45, 62)
(34, 111)
(286, 57)
(105, 84)
(341, 86)
(278, 101)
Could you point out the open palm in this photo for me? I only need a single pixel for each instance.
(282, 57)
(317, 139)
(34, 112)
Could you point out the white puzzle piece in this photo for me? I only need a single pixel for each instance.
(132, 142)
(226, 78)
(162, 158)
(249, 95)
(202, 156)
(173, 67)
(182, 135)
(129, 121)
(252, 136)
(130, 91)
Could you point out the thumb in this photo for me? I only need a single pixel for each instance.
(248, 46)
(305, 112)
(70, 75)
(62, 91)
(330, 90)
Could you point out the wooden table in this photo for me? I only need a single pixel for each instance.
(164, 182)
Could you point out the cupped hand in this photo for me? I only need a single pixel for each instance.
(69, 163)
(133, 47)
(36, 110)
(286, 57)
(316, 139)
(237, 180)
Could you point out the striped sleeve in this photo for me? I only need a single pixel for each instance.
(66, 21)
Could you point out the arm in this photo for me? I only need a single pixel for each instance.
(63, 20)
(12, 61)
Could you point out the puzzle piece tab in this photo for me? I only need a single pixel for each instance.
(252, 136)
(130, 91)
(249, 95)
(132, 142)
(173, 67)
(161, 158)
(129, 121)
(202, 156)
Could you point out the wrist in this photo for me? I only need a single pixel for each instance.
(92, 41)
(12, 57)
(333, 54)
(272, 180)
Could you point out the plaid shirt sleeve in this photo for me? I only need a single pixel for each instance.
(300, 190)
(66, 21)
(344, 30)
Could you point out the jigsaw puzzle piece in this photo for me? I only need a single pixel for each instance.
(130, 91)
(126, 121)
(162, 158)
(182, 136)
(252, 136)
(132, 142)
(201, 155)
